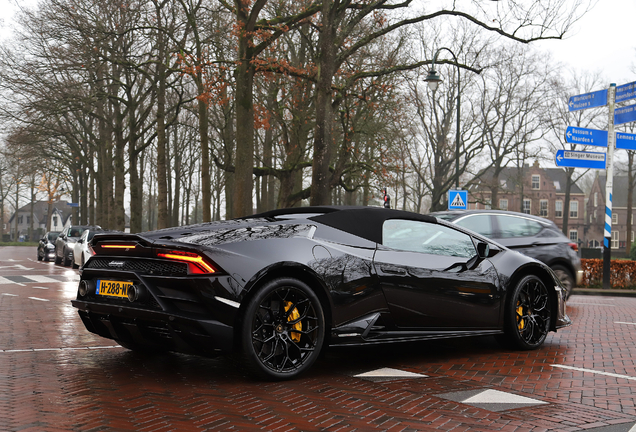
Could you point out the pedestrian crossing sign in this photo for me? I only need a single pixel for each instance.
(457, 199)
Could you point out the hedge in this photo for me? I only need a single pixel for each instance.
(621, 272)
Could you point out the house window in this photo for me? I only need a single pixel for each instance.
(503, 204)
(526, 205)
(488, 204)
(574, 236)
(595, 199)
(543, 211)
(614, 239)
(55, 222)
(614, 218)
(590, 218)
(20, 219)
(558, 209)
(632, 236)
(535, 181)
(574, 209)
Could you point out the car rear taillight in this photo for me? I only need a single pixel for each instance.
(199, 263)
(574, 246)
(102, 248)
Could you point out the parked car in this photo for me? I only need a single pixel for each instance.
(46, 246)
(279, 286)
(81, 250)
(65, 243)
(534, 236)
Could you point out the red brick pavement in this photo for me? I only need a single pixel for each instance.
(112, 389)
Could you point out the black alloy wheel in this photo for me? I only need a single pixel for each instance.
(283, 330)
(528, 314)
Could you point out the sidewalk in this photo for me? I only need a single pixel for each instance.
(605, 292)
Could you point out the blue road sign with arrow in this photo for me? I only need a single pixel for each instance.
(625, 115)
(577, 135)
(580, 159)
(626, 92)
(625, 141)
(457, 199)
(588, 100)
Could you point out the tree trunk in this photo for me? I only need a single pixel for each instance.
(244, 166)
(320, 179)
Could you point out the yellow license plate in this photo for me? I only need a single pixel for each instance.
(113, 288)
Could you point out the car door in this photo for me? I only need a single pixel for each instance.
(432, 277)
(60, 241)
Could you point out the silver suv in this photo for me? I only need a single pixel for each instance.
(531, 235)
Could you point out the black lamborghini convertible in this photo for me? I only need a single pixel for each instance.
(279, 286)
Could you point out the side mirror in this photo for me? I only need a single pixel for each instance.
(483, 250)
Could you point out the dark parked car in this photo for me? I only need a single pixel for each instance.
(65, 242)
(279, 286)
(46, 246)
(534, 236)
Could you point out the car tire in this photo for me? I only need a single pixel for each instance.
(283, 330)
(67, 262)
(528, 315)
(58, 260)
(39, 257)
(566, 279)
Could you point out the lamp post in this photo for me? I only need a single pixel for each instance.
(433, 80)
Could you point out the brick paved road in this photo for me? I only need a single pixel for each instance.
(54, 375)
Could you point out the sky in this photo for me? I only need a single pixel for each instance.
(603, 40)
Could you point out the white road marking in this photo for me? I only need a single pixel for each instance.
(58, 349)
(590, 304)
(627, 377)
(38, 299)
(10, 295)
(499, 397)
(41, 279)
(40, 287)
(389, 373)
(620, 322)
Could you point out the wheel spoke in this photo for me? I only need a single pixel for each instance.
(285, 330)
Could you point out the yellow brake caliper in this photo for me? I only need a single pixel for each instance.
(521, 323)
(294, 315)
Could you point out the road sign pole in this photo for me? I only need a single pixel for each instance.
(609, 186)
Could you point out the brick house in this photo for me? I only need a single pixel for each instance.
(533, 190)
(59, 218)
(596, 212)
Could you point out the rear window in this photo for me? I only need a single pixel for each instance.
(53, 236)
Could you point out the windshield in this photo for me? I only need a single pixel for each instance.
(53, 235)
(76, 232)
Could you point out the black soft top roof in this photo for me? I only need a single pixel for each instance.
(365, 222)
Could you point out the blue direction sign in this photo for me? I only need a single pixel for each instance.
(457, 199)
(625, 141)
(626, 92)
(588, 100)
(580, 159)
(625, 115)
(577, 135)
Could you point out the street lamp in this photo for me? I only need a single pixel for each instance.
(434, 80)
